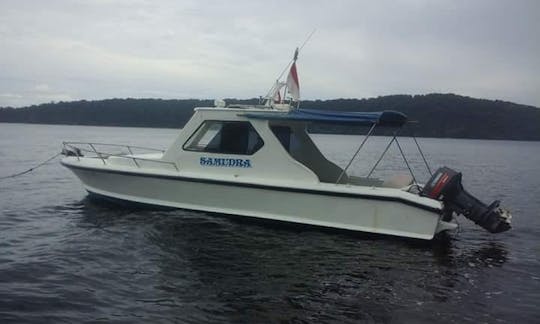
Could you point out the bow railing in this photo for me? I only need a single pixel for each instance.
(77, 148)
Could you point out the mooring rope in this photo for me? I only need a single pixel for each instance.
(32, 168)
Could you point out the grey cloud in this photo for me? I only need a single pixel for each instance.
(209, 49)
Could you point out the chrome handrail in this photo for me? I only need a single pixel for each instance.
(97, 153)
(104, 155)
(118, 145)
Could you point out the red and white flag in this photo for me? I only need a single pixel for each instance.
(293, 85)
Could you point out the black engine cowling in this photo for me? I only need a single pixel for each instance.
(445, 185)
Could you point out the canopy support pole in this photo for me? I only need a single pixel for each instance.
(420, 151)
(406, 162)
(382, 155)
(356, 153)
(423, 157)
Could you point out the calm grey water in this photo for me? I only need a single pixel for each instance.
(65, 258)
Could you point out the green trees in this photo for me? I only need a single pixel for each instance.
(439, 115)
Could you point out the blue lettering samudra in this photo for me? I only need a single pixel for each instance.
(225, 162)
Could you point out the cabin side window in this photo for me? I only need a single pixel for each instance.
(287, 137)
(226, 137)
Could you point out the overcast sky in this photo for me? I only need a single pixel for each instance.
(70, 50)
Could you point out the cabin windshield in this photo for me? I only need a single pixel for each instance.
(225, 137)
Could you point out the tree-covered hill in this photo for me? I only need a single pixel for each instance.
(439, 115)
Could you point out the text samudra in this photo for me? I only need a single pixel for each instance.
(223, 162)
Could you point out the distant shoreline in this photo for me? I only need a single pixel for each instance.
(439, 115)
(311, 132)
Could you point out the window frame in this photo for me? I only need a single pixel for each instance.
(185, 146)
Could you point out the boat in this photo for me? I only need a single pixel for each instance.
(259, 161)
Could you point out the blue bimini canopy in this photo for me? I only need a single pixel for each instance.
(381, 118)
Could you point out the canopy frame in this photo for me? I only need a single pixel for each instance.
(386, 118)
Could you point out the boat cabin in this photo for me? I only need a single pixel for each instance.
(251, 143)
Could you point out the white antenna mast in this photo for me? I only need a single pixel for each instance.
(298, 49)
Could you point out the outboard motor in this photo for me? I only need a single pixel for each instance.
(445, 185)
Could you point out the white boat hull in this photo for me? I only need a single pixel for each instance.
(373, 214)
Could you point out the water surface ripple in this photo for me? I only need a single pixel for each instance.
(66, 258)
